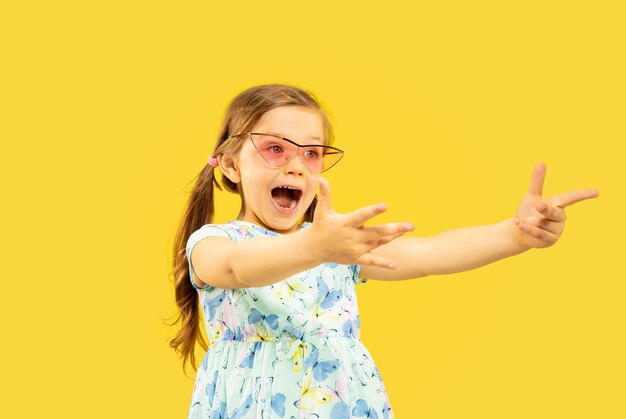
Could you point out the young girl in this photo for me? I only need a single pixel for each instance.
(277, 284)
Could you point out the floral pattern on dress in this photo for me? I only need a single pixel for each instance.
(287, 350)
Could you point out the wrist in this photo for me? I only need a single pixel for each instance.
(310, 245)
(514, 234)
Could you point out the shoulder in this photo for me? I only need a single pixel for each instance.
(212, 230)
(206, 264)
(228, 230)
(217, 228)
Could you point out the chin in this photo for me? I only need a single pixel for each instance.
(288, 223)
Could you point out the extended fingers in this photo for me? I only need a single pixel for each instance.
(568, 198)
(360, 216)
(537, 178)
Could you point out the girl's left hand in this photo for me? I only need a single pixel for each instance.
(540, 222)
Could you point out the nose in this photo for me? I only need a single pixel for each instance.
(295, 165)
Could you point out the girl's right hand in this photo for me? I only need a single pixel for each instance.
(342, 238)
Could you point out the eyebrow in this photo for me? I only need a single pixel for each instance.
(287, 136)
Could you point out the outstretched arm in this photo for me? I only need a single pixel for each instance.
(538, 223)
(452, 251)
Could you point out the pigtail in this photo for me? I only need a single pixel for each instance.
(198, 212)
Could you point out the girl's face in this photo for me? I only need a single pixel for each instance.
(257, 179)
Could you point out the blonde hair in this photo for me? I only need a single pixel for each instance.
(243, 112)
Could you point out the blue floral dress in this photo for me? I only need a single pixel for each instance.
(288, 350)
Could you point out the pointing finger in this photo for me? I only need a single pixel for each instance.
(536, 180)
(568, 198)
(360, 216)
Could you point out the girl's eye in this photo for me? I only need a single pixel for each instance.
(275, 148)
(311, 153)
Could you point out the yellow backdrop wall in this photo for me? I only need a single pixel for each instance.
(109, 110)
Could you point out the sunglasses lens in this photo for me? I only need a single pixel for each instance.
(278, 152)
(331, 158)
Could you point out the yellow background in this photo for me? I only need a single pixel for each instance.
(110, 109)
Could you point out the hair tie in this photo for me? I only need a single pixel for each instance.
(212, 161)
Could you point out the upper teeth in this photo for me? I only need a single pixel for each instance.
(289, 187)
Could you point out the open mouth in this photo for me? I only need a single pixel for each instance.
(286, 197)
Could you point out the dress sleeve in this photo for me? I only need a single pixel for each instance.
(207, 230)
(356, 269)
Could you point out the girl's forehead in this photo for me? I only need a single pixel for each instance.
(292, 122)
